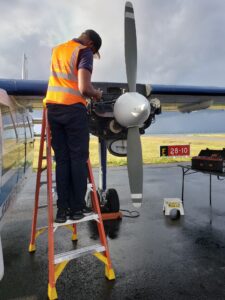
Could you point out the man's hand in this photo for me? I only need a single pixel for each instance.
(98, 95)
(85, 86)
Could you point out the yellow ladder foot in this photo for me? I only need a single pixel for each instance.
(74, 234)
(74, 237)
(109, 273)
(32, 248)
(52, 294)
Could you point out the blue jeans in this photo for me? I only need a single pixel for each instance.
(70, 142)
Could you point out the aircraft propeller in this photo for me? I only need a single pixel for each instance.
(132, 109)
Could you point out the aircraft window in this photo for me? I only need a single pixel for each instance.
(29, 127)
(20, 125)
(29, 139)
(22, 146)
(9, 141)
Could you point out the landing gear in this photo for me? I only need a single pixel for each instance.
(112, 201)
(109, 204)
(109, 200)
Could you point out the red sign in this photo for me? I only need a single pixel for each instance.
(179, 150)
(175, 150)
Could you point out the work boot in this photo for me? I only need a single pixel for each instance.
(76, 215)
(61, 215)
(87, 211)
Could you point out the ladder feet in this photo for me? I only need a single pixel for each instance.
(109, 273)
(74, 231)
(32, 248)
(74, 237)
(52, 294)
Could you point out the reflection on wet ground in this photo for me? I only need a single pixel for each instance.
(112, 229)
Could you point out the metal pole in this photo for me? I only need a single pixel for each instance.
(103, 161)
(100, 175)
(210, 189)
(182, 195)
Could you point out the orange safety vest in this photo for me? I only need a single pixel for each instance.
(63, 80)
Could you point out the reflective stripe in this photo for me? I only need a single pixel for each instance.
(65, 90)
(70, 76)
(136, 196)
(129, 15)
(73, 59)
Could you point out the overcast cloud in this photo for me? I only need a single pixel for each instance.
(179, 42)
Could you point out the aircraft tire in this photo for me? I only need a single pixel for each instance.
(112, 201)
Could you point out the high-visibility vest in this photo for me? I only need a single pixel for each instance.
(63, 80)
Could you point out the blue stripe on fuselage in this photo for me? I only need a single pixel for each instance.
(5, 194)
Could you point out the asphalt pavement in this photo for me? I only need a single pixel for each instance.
(153, 256)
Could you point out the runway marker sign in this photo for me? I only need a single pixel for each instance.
(175, 150)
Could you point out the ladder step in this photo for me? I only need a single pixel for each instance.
(45, 157)
(45, 182)
(46, 205)
(58, 258)
(85, 219)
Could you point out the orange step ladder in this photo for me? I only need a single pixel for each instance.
(57, 262)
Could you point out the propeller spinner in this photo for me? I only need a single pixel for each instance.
(132, 109)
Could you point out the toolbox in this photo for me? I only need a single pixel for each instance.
(209, 160)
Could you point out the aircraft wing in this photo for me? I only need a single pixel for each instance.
(172, 97)
(175, 97)
(187, 98)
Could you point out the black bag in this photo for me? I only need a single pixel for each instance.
(209, 160)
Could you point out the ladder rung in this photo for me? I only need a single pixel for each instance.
(85, 219)
(43, 227)
(45, 182)
(58, 258)
(46, 205)
(45, 157)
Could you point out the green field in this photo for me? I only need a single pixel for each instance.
(151, 146)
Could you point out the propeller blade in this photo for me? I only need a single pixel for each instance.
(130, 47)
(134, 165)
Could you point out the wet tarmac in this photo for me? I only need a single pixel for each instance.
(153, 256)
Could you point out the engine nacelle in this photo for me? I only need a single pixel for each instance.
(131, 109)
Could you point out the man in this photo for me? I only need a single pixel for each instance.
(69, 84)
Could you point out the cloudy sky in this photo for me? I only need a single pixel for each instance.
(179, 42)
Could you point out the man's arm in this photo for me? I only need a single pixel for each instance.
(85, 86)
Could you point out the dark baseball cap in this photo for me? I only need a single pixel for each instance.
(95, 38)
